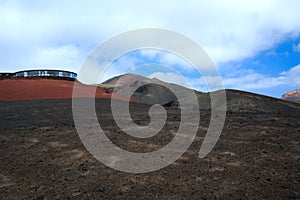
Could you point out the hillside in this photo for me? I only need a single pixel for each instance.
(148, 91)
(237, 101)
(292, 96)
(42, 156)
(44, 88)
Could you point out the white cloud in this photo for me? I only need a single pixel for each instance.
(296, 47)
(170, 77)
(292, 76)
(149, 53)
(170, 59)
(205, 84)
(63, 56)
(228, 30)
(248, 80)
(122, 65)
(253, 80)
(271, 53)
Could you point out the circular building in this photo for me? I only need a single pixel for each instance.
(45, 73)
(6, 75)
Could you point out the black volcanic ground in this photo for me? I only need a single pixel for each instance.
(256, 157)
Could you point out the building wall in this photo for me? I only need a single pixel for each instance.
(6, 74)
(40, 73)
(53, 73)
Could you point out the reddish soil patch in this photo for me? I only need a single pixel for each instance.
(29, 89)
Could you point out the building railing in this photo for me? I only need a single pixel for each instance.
(41, 73)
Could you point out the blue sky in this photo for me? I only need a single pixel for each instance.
(255, 44)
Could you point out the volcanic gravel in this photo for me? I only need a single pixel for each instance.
(42, 157)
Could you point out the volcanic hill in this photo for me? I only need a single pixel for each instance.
(44, 88)
(292, 96)
(154, 91)
(42, 156)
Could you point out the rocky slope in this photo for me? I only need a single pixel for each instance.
(42, 157)
(292, 96)
(256, 157)
(150, 92)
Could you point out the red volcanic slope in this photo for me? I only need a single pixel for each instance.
(29, 89)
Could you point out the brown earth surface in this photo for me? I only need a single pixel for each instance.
(256, 157)
(42, 88)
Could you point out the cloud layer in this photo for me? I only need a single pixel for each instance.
(229, 30)
(252, 80)
(60, 34)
